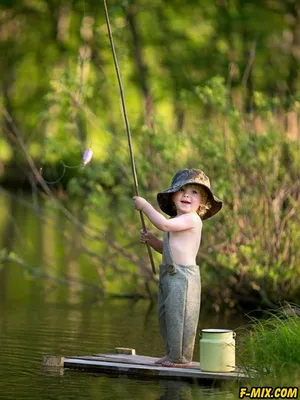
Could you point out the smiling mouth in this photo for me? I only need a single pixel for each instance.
(185, 202)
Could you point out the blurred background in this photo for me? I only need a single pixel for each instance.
(209, 85)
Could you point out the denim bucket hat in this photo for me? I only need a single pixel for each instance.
(184, 177)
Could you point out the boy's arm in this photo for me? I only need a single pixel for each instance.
(181, 223)
(154, 242)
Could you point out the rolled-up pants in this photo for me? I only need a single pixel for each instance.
(178, 309)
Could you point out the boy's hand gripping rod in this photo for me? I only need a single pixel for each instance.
(126, 126)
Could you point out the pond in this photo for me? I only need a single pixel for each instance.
(41, 317)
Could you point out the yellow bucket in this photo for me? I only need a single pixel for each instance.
(217, 350)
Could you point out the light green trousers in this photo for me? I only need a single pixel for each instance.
(178, 306)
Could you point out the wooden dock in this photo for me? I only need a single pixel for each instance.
(138, 365)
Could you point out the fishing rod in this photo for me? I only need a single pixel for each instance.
(127, 128)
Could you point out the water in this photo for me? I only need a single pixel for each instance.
(39, 317)
(30, 330)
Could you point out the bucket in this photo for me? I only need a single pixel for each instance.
(217, 350)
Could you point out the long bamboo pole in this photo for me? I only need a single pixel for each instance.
(127, 127)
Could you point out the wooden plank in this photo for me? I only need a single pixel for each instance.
(122, 358)
(124, 350)
(53, 361)
(144, 366)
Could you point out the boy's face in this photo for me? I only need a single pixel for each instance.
(187, 199)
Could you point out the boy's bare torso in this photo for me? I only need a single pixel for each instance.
(184, 245)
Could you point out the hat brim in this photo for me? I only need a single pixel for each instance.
(165, 202)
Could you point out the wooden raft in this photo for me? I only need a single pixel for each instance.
(132, 364)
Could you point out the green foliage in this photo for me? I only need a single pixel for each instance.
(214, 94)
(188, 75)
(269, 348)
(174, 48)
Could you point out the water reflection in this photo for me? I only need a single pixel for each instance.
(175, 390)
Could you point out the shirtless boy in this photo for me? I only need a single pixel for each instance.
(188, 201)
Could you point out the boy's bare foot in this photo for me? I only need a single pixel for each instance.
(176, 365)
(161, 360)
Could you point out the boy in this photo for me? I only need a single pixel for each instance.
(188, 201)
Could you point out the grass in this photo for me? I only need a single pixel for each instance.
(271, 347)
